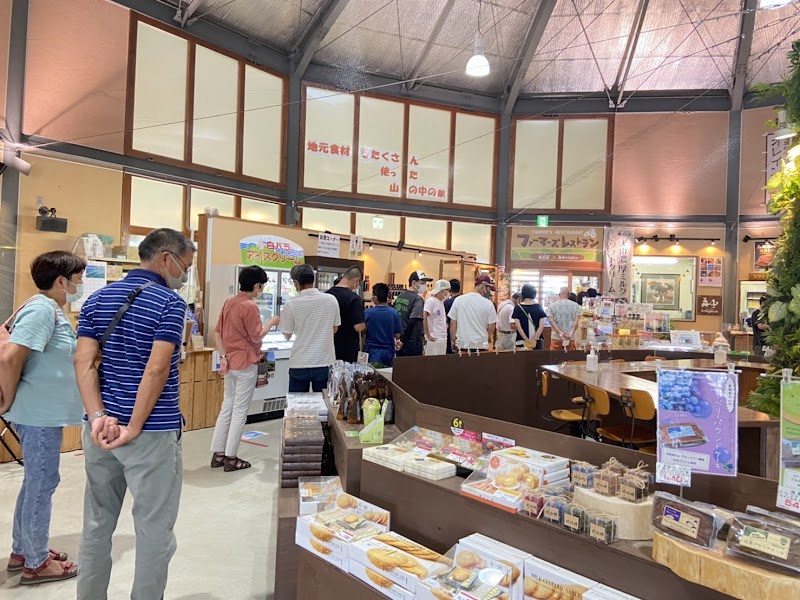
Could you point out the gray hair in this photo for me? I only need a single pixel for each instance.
(164, 240)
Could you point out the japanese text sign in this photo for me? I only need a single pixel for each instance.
(271, 251)
(571, 247)
(709, 305)
(617, 257)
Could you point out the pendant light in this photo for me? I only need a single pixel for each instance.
(783, 133)
(478, 65)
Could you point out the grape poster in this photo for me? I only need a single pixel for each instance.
(698, 420)
(789, 480)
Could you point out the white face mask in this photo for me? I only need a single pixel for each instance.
(77, 295)
(176, 283)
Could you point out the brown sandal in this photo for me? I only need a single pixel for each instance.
(235, 464)
(51, 570)
(16, 562)
(217, 460)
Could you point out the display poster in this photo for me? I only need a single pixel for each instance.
(570, 247)
(656, 322)
(763, 255)
(698, 420)
(637, 310)
(711, 271)
(328, 245)
(617, 265)
(776, 152)
(271, 251)
(709, 305)
(94, 277)
(789, 477)
(356, 246)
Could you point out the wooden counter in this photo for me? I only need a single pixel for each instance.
(320, 580)
(201, 393)
(286, 551)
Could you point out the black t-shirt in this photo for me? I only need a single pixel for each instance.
(757, 339)
(409, 305)
(351, 311)
(536, 312)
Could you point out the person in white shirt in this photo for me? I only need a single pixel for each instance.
(313, 318)
(506, 334)
(473, 318)
(435, 321)
(563, 315)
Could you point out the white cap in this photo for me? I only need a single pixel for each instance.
(440, 285)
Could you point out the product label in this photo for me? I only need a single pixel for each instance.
(795, 448)
(530, 507)
(551, 513)
(597, 532)
(628, 492)
(580, 478)
(680, 522)
(681, 431)
(572, 522)
(601, 486)
(507, 496)
(765, 542)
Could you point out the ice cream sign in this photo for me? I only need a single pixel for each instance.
(271, 251)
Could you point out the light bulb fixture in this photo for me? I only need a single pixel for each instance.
(419, 252)
(713, 242)
(371, 247)
(783, 133)
(677, 242)
(746, 239)
(655, 238)
(478, 65)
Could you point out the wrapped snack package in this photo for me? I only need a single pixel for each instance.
(583, 474)
(602, 528)
(685, 521)
(769, 542)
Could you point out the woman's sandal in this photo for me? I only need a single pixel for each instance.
(217, 460)
(236, 464)
(51, 570)
(17, 561)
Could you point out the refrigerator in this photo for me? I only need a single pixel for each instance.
(750, 292)
(329, 269)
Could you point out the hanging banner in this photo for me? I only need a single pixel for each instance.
(328, 245)
(356, 246)
(547, 247)
(710, 271)
(789, 478)
(763, 255)
(776, 152)
(271, 251)
(617, 262)
(698, 420)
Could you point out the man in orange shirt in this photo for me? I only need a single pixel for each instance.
(239, 333)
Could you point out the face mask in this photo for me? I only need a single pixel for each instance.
(176, 283)
(487, 293)
(77, 295)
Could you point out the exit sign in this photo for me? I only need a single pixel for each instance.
(542, 221)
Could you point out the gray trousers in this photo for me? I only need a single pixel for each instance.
(151, 466)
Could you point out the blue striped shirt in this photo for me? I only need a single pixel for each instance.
(157, 314)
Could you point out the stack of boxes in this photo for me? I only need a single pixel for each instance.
(301, 452)
(404, 460)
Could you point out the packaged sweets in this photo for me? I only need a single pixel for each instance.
(767, 541)
(684, 520)
(613, 465)
(606, 482)
(553, 510)
(575, 518)
(602, 528)
(583, 474)
(633, 488)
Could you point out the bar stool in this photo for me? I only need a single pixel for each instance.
(638, 406)
(574, 418)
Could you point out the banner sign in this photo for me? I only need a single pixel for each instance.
(271, 251)
(698, 420)
(617, 261)
(328, 245)
(789, 477)
(570, 247)
(709, 305)
(775, 154)
(711, 271)
(356, 246)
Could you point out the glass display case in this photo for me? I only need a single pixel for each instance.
(750, 293)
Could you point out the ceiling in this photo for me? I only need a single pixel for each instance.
(682, 44)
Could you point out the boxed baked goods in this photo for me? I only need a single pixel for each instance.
(463, 453)
(331, 532)
(429, 468)
(544, 580)
(318, 493)
(538, 463)
(468, 574)
(633, 521)
(423, 441)
(684, 520)
(508, 555)
(378, 581)
(764, 540)
(398, 559)
(390, 456)
(326, 552)
(603, 592)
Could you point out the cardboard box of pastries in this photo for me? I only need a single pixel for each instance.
(318, 493)
(326, 552)
(472, 574)
(398, 559)
(508, 555)
(544, 580)
(378, 581)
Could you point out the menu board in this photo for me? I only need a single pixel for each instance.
(428, 168)
(698, 420)
(380, 147)
(568, 247)
(328, 145)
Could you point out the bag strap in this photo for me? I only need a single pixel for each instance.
(9, 322)
(122, 310)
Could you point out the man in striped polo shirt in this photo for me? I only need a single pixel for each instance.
(133, 436)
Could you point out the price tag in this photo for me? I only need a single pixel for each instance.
(673, 474)
(363, 358)
(788, 499)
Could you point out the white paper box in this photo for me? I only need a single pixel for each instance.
(324, 551)
(406, 578)
(551, 578)
(386, 587)
(504, 553)
(603, 592)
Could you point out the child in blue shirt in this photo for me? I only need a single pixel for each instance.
(383, 327)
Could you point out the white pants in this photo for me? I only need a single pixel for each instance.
(239, 389)
(436, 348)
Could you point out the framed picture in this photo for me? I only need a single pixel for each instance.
(662, 291)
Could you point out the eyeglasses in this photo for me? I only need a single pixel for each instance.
(178, 258)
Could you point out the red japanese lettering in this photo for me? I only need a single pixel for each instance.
(412, 189)
(376, 155)
(394, 188)
(384, 171)
(413, 174)
(366, 153)
(334, 149)
(395, 157)
(432, 192)
(385, 156)
(441, 193)
(324, 148)
(345, 150)
(414, 161)
(312, 147)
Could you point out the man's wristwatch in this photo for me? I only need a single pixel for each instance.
(97, 415)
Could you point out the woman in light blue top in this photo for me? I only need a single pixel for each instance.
(37, 380)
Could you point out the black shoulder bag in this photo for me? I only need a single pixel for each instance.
(122, 310)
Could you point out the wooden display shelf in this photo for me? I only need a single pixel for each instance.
(319, 580)
(713, 569)
(286, 551)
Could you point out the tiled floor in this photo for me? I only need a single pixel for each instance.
(226, 526)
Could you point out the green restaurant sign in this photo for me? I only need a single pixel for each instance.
(557, 247)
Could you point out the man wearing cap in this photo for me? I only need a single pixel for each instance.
(472, 317)
(410, 307)
(435, 322)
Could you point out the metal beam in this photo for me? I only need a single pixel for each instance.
(432, 209)
(326, 17)
(213, 33)
(185, 12)
(630, 51)
(503, 201)
(686, 101)
(606, 219)
(9, 195)
(411, 81)
(532, 39)
(743, 54)
(730, 268)
(293, 149)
